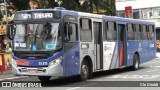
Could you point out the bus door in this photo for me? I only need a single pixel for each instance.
(97, 30)
(122, 42)
(71, 45)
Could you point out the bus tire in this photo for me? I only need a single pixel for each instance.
(44, 78)
(84, 75)
(136, 62)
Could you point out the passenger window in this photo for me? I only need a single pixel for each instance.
(144, 32)
(138, 35)
(86, 30)
(130, 33)
(151, 32)
(111, 30)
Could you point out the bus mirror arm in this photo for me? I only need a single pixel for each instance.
(10, 32)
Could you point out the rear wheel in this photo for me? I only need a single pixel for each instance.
(44, 78)
(84, 71)
(136, 62)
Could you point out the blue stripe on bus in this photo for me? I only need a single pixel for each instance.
(72, 60)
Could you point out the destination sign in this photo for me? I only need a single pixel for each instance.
(34, 15)
(42, 15)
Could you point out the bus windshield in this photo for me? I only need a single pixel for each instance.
(37, 37)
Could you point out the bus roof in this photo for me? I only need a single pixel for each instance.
(85, 14)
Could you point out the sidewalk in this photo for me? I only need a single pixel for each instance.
(9, 76)
(158, 55)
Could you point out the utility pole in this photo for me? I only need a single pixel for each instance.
(91, 6)
(113, 6)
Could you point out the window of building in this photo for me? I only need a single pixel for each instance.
(156, 12)
(121, 14)
(136, 14)
(146, 13)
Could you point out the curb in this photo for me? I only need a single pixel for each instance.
(11, 78)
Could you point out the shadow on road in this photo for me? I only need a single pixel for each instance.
(114, 71)
(74, 81)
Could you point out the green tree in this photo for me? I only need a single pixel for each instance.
(1, 16)
(99, 6)
(19, 4)
(104, 7)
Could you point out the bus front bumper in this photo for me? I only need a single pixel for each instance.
(55, 71)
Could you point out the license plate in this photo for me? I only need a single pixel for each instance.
(32, 70)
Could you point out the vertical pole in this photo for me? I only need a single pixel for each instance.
(91, 6)
(6, 11)
(3, 64)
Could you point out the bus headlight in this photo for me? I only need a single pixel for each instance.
(14, 62)
(55, 62)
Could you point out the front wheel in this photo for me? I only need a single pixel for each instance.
(44, 78)
(136, 62)
(84, 71)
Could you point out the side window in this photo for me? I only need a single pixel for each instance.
(111, 30)
(105, 31)
(151, 32)
(144, 32)
(86, 30)
(138, 35)
(130, 31)
(74, 36)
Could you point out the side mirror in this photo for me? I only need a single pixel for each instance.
(10, 31)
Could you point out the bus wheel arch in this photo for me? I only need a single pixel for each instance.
(136, 61)
(88, 62)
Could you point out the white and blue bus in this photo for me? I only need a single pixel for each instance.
(61, 43)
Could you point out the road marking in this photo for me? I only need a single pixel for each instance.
(153, 70)
(12, 78)
(134, 76)
(155, 66)
(73, 88)
(81, 86)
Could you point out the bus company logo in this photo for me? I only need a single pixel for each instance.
(107, 48)
(6, 84)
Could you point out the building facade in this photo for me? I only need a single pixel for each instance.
(142, 9)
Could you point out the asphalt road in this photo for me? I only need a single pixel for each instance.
(146, 78)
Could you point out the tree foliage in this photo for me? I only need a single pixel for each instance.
(19, 4)
(1, 16)
(94, 6)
